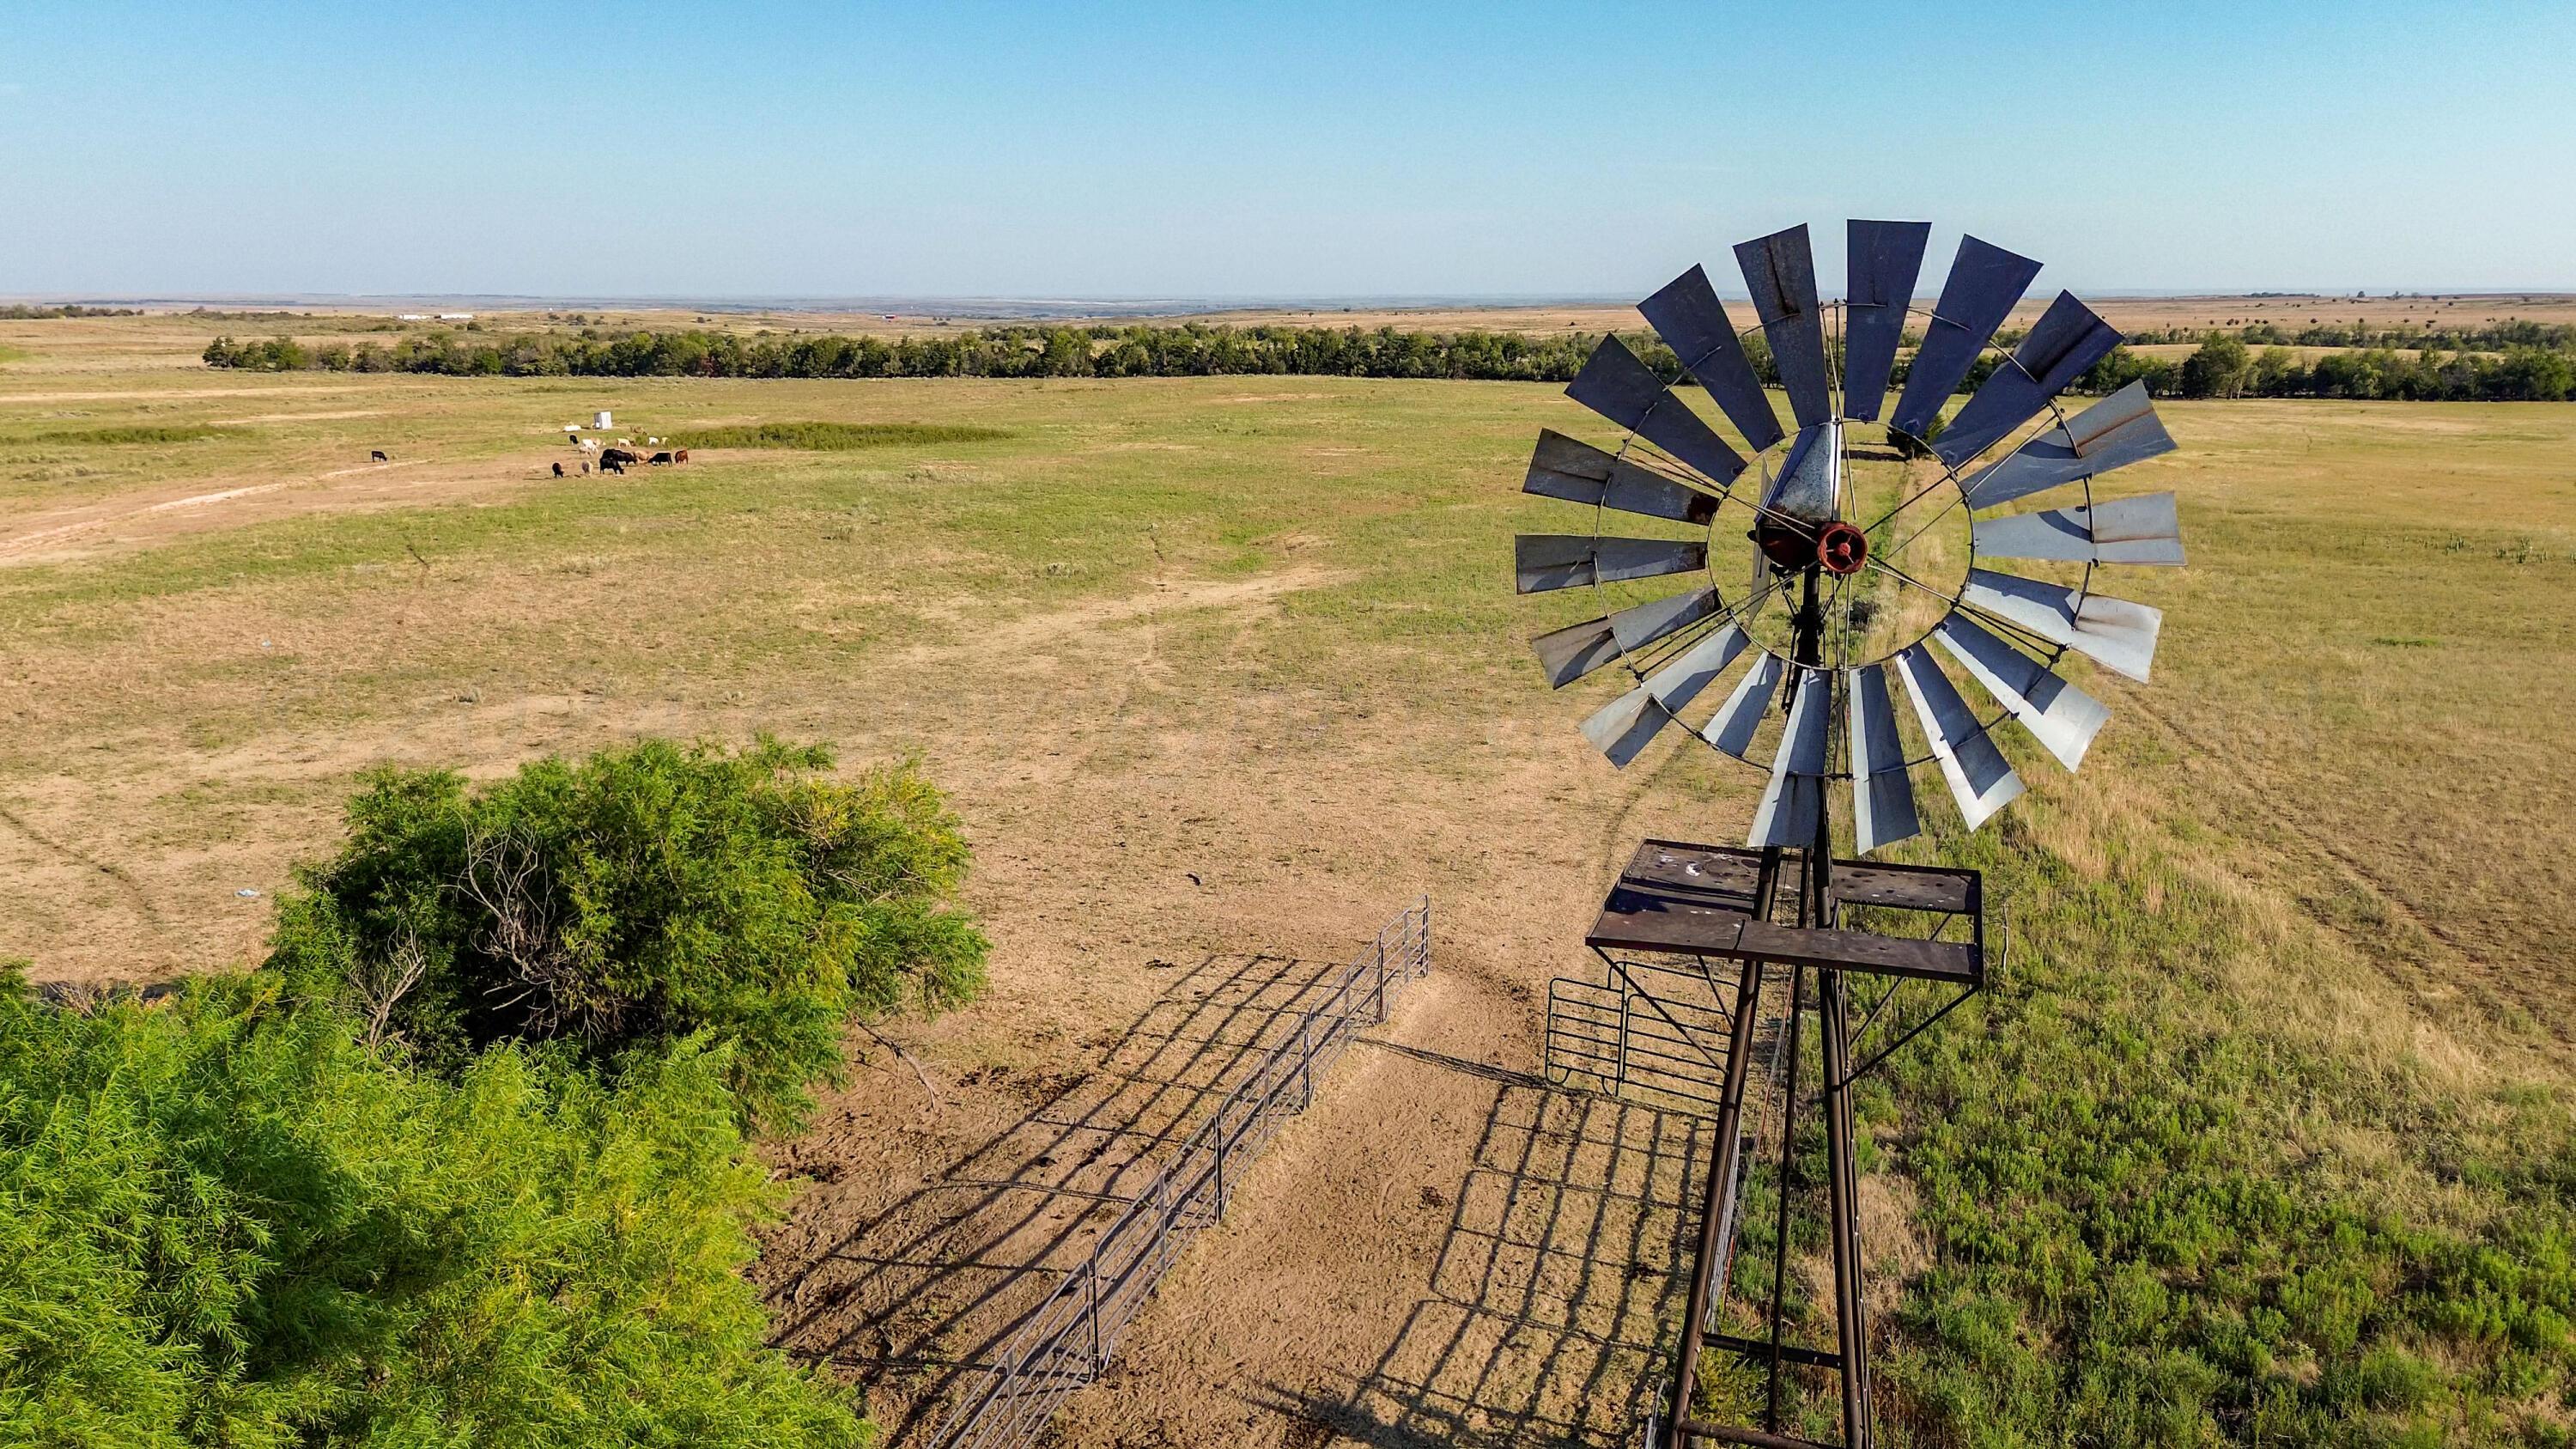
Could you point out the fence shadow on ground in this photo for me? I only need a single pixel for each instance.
(1561, 1277)
(924, 1291)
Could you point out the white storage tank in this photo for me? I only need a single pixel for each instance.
(599, 420)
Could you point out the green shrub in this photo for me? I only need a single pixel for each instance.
(638, 897)
(226, 1222)
(137, 433)
(834, 437)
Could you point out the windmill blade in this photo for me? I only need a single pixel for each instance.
(2141, 530)
(2061, 717)
(2119, 635)
(1978, 777)
(1690, 319)
(1985, 281)
(1639, 625)
(1627, 392)
(1791, 802)
(1781, 273)
(1562, 467)
(1629, 723)
(2067, 339)
(1886, 259)
(2119, 430)
(1544, 561)
(1882, 797)
(1576, 650)
(1731, 729)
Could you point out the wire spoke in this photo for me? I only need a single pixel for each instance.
(1910, 500)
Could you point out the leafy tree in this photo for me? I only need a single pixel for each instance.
(638, 897)
(226, 1222)
(2219, 368)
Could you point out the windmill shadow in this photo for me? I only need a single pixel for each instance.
(1556, 1288)
(924, 1290)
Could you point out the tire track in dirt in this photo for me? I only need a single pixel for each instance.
(2423, 980)
(143, 902)
(18, 546)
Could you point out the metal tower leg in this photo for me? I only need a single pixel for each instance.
(1842, 1181)
(1724, 1163)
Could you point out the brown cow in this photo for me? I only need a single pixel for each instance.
(681, 456)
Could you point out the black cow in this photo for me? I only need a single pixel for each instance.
(659, 458)
(378, 456)
(611, 465)
(559, 470)
(619, 456)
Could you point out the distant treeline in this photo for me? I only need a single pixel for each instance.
(2523, 371)
(1186, 350)
(25, 312)
(2490, 337)
(2223, 366)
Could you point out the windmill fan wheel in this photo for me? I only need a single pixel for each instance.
(1839, 559)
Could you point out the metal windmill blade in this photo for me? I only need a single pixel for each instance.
(2119, 430)
(1694, 324)
(2067, 340)
(1985, 281)
(1627, 392)
(1781, 273)
(1885, 258)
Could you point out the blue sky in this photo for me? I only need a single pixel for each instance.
(1280, 149)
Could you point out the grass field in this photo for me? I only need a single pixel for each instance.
(2268, 1134)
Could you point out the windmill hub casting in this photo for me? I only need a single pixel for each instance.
(1873, 523)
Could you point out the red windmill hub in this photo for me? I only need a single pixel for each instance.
(1842, 548)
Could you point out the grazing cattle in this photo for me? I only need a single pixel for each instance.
(659, 458)
(680, 456)
(588, 445)
(620, 457)
(611, 465)
(378, 456)
(559, 470)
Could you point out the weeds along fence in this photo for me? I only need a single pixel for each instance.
(1065, 1342)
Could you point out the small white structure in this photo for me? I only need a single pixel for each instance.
(411, 317)
(572, 427)
(599, 421)
(455, 316)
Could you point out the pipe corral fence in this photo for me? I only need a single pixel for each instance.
(1065, 1342)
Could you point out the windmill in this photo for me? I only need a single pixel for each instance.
(1828, 569)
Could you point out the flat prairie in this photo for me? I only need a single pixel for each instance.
(1221, 673)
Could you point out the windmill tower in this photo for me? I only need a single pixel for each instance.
(1828, 568)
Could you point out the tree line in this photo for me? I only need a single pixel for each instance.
(34, 312)
(2487, 337)
(2225, 366)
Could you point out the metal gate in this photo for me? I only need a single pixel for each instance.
(1646, 1028)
